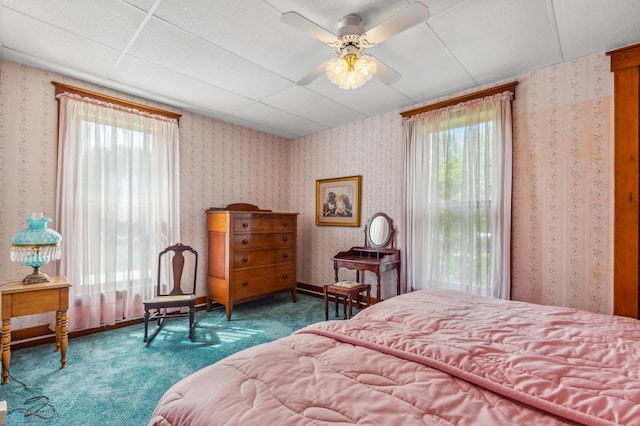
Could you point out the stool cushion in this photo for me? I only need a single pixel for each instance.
(347, 284)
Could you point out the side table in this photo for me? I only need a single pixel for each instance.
(20, 299)
(348, 294)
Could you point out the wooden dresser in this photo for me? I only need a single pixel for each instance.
(251, 253)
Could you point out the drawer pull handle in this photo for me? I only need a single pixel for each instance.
(285, 239)
(245, 241)
(285, 255)
(245, 283)
(285, 276)
(245, 259)
(285, 224)
(245, 225)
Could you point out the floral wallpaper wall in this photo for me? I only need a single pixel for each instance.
(563, 186)
(371, 148)
(28, 131)
(220, 164)
(563, 178)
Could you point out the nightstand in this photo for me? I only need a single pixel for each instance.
(20, 299)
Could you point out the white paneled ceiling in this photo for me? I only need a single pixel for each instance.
(236, 61)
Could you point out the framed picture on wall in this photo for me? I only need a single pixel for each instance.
(338, 201)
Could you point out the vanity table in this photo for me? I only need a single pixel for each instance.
(377, 255)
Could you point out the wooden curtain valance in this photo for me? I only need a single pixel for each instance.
(509, 87)
(63, 88)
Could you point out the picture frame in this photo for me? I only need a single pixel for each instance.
(338, 201)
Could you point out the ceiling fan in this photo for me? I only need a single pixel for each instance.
(351, 69)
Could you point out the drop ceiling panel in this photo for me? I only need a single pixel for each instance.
(144, 5)
(109, 23)
(494, 39)
(273, 117)
(53, 46)
(586, 26)
(313, 106)
(169, 47)
(259, 127)
(427, 69)
(439, 6)
(184, 90)
(255, 33)
(371, 99)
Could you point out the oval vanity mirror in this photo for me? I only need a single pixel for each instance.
(379, 230)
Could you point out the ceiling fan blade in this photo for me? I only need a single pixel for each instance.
(408, 17)
(301, 23)
(312, 75)
(386, 74)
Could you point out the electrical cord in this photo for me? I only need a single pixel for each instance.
(41, 407)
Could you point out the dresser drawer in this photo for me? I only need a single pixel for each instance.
(264, 224)
(250, 258)
(257, 241)
(253, 282)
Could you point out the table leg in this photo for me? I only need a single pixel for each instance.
(58, 328)
(64, 337)
(326, 304)
(398, 280)
(378, 287)
(350, 307)
(6, 349)
(344, 307)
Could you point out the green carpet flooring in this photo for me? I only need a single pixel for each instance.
(113, 378)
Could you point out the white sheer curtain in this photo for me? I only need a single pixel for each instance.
(118, 206)
(458, 197)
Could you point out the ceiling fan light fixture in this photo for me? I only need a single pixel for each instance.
(351, 71)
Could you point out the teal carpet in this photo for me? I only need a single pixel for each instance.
(113, 378)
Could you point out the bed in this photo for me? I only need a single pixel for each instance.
(427, 357)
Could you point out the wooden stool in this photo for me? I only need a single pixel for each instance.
(347, 294)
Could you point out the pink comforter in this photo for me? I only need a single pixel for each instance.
(428, 357)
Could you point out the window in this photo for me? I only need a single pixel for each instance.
(117, 205)
(455, 210)
(458, 162)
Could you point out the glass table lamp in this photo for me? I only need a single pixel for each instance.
(36, 246)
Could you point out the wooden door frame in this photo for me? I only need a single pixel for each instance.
(625, 64)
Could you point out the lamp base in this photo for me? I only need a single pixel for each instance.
(36, 277)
